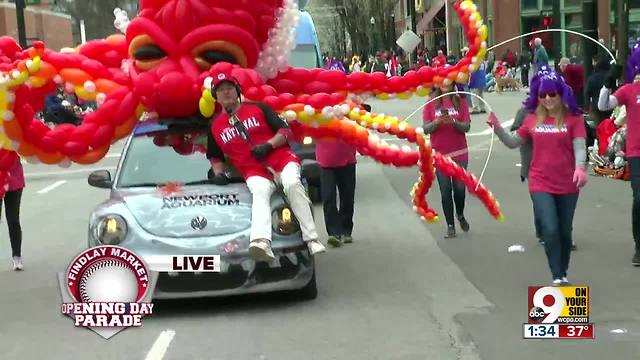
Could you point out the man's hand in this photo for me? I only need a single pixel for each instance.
(614, 74)
(220, 179)
(261, 151)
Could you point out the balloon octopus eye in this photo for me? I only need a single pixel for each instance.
(210, 57)
(149, 52)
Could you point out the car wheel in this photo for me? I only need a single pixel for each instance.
(309, 291)
(314, 194)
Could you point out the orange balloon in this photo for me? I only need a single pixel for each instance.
(27, 149)
(75, 76)
(125, 129)
(437, 80)
(115, 39)
(91, 157)
(13, 130)
(49, 158)
(295, 107)
(47, 71)
(106, 86)
(452, 75)
(362, 134)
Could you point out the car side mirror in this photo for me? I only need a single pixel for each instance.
(101, 179)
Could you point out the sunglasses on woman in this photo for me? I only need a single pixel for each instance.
(544, 95)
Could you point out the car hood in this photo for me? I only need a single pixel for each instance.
(194, 211)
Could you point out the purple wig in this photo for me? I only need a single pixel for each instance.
(548, 81)
(633, 63)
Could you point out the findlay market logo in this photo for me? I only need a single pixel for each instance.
(106, 289)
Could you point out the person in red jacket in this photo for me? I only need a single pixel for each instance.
(11, 201)
(574, 76)
(254, 139)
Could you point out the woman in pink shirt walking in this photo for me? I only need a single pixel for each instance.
(337, 161)
(11, 201)
(555, 128)
(447, 121)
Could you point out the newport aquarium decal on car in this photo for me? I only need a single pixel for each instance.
(107, 289)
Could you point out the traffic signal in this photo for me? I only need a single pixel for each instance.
(546, 21)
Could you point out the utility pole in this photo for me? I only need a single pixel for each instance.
(22, 36)
(622, 37)
(556, 24)
(589, 48)
(412, 13)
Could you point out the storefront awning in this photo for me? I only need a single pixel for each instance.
(428, 16)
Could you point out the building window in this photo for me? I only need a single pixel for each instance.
(572, 3)
(547, 3)
(573, 21)
(529, 4)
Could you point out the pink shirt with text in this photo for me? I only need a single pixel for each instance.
(629, 96)
(553, 161)
(446, 138)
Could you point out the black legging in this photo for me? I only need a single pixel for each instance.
(12, 214)
(452, 191)
(634, 168)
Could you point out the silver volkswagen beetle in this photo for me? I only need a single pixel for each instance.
(148, 215)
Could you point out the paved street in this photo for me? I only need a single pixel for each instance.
(400, 291)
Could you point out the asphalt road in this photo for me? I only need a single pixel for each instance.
(400, 291)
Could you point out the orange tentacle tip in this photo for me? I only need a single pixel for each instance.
(295, 107)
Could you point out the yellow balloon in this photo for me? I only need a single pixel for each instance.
(304, 118)
(84, 94)
(383, 96)
(140, 110)
(483, 32)
(405, 95)
(423, 92)
(207, 95)
(206, 107)
(36, 62)
(38, 81)
(366, 118)
(321, 120)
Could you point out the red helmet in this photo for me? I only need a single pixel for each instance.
(224, 77)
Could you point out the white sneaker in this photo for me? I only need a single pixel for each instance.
(17, 263)
(315, 247)
(557, 282)
(260, 250)
(565, 281)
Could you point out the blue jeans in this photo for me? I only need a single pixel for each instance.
(536, 222)
(634, 168)
(555, 216)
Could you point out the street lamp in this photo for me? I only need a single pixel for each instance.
(374, 46)
(22, 36)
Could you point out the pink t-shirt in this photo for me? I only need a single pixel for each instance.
(553, 161)
(330, 153)
(629, 95)
(16, 175)
(446, 138)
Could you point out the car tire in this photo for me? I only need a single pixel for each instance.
(309, 291)
(314, 194)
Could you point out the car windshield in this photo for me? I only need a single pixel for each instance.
(161, 155)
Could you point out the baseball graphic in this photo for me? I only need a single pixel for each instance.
(107, 274)
(108, 281)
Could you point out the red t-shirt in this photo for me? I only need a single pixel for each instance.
(16, 175)
(629, 96)
(262, 124)
(553, 161)
(446, 138)
(335, 153)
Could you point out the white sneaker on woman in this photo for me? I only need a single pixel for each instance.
(17, 263)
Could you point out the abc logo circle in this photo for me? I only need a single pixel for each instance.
(537, 313)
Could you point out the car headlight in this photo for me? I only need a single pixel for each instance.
(307, 140)
(110, 230)
(284, 223)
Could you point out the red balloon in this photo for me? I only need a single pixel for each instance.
(319, 101)
(273, 102)
(286, 86)
(50, 143)
(102, 136)
(73, 148)
(335, 78)
(316, 87)
(287, 99)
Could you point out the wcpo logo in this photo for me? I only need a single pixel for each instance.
(548, 304)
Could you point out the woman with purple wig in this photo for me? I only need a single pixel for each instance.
(628, 95)
(555, 129)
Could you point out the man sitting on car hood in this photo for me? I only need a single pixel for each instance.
(254, 139)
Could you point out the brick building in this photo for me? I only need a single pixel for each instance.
(508, 18)
(55, 29)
